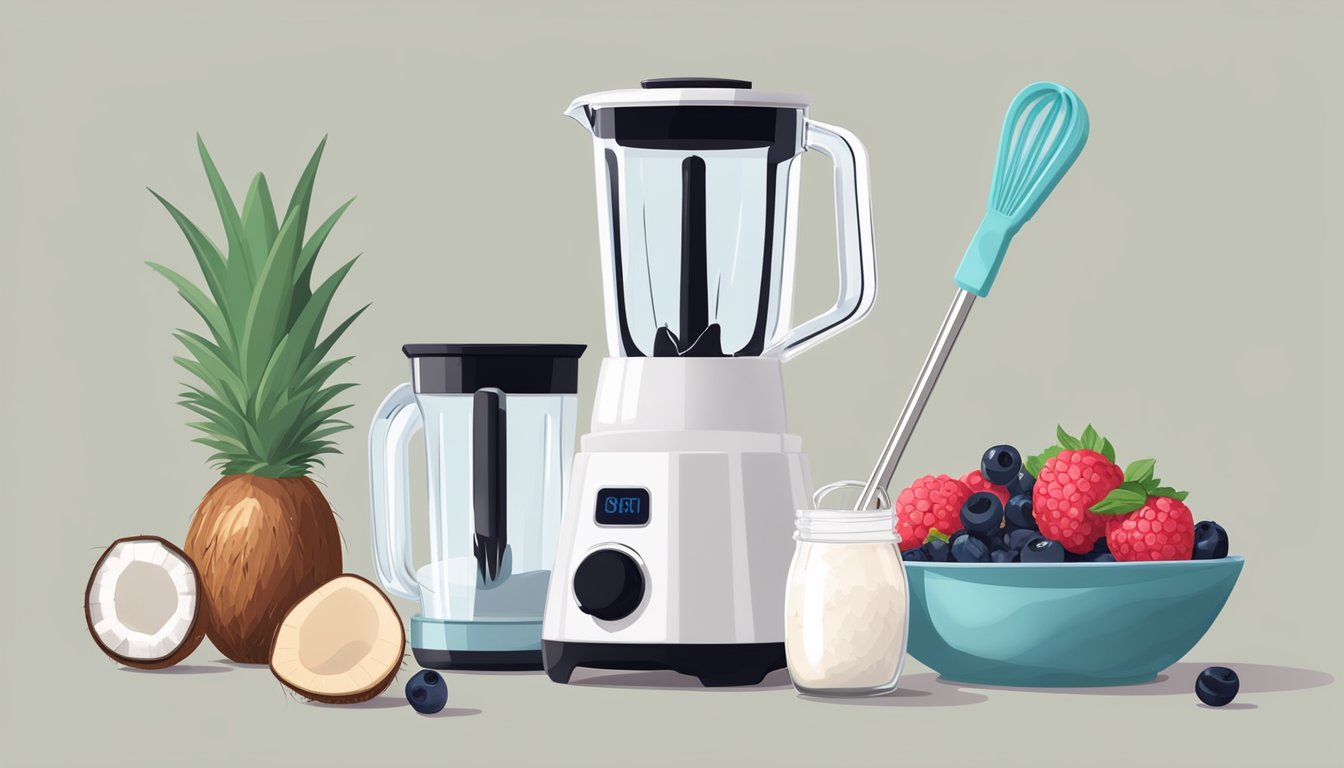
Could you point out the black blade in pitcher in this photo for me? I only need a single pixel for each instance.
(699, 336)
(489, 482)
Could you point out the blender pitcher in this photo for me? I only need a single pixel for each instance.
(697, 187)
(498, 424)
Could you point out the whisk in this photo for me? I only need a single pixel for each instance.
(1043, 132)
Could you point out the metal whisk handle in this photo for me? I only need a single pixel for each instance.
(919, 397)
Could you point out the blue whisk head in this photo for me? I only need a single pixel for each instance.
(1043, 132)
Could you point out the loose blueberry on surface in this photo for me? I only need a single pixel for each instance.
(1018, 513)
(1210, 541)
(966, 547)
(1043, 551)
(916, 555)
(1217, 686)
(426, 692)
(1021, 537)
(1001, 464)
(982, 512)
(1022, 484)
(1002, 556)
(936, 550)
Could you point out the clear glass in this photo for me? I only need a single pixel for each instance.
(846, 606)
(713, 287)
(539, 447)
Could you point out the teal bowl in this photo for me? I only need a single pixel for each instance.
(1062, 624)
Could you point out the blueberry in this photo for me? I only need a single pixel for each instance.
(1001, 464)
(936, 550)
(1022, 484)
(1002, 556)
(1043, 551)
(427, 692)
(982, 513)
(1099, 557)
(1021, 537)
(968, 548)
(1101, 546)
(1018, 513)
(1217, 686)
(915, 555)
(1210, 541)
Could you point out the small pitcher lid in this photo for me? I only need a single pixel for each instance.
(689, 91)
(519, 369)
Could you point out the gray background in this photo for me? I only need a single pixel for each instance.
(1180, 291)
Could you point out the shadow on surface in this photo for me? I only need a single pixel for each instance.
(236, 665)
(918, 690)
(377, 702)
(495, 672)
(180, 669)
(1179, 679)
(1233, 705)
(456, 712)
(667, 679)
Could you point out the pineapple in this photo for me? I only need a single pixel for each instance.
(264, 536)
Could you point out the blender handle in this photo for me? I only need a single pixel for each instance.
(395, 422)
(854, 240)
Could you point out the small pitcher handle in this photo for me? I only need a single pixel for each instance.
(394, 424)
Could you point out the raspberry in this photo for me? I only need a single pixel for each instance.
(932, 501)
(1069, 484)
(977, 483)
(1070, 478)
(1162, 529)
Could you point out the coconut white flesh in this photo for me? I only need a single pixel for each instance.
(341, 640)
(143, 600)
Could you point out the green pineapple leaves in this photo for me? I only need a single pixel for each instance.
(264, 395)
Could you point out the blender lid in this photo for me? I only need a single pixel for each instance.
(519, 369)
(690, 91)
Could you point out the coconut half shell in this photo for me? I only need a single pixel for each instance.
(342, 644)
(142, 603)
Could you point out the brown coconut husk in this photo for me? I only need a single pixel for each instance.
(260, 544)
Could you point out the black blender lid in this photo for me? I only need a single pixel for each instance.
(690, 92)
(519, 369)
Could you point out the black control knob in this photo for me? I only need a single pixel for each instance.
(608, 585)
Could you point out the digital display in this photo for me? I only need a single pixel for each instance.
(622, 506)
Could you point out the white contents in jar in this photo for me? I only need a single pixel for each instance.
(845, 614)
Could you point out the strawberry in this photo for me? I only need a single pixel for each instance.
(1071, 477)
(1146, 520)
(930, 503)
(976, 482)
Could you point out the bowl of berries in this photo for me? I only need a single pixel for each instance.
(1060, 570)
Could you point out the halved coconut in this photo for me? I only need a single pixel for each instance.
(143, 602)
(341, 644)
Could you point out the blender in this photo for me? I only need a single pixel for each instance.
(498, 423)
(677, 533)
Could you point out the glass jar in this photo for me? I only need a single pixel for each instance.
(846, 606)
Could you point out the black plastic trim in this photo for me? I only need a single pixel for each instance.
(699, 127)
(519, 369)
(721, 664)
